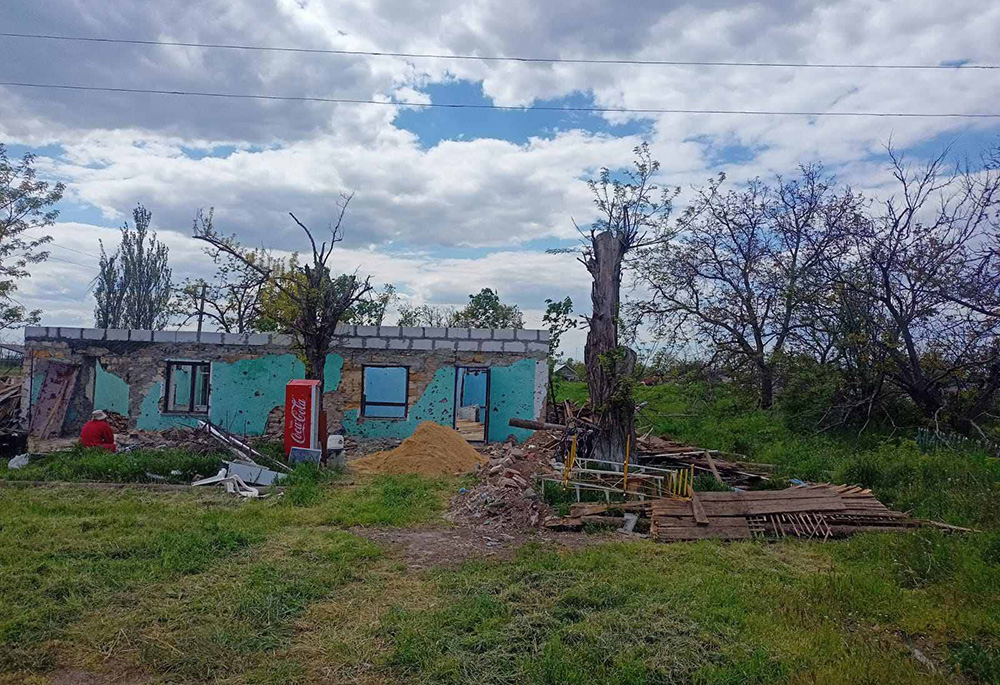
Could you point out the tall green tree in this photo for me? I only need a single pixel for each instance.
(25, 205)
(133, 288)
(485, 310)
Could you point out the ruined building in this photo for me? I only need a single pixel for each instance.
(380, 382)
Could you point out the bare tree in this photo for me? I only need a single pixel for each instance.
(134, 286)
(745, 266)
(320, 300)
(634, 215)
(231, 302)
(24, 206)
(928, 264)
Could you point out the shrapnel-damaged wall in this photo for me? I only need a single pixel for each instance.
(125, 372)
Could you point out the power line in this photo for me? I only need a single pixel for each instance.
(487, 58)
(66, 261)
(517, 108)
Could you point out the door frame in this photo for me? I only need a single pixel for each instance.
(457, 399)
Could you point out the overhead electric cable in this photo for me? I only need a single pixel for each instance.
(533, 108)
(947, 65)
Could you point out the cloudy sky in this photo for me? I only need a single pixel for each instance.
(449, 201)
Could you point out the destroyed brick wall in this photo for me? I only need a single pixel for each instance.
(126, 371)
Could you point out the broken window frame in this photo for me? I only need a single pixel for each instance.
(405, 404)
(196, 368)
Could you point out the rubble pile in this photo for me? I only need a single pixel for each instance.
(506, 495)
(196, 440)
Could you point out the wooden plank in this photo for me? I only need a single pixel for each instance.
(699, 511)
(711, 465)
(747, 495)
(738, 507)
(732, 532)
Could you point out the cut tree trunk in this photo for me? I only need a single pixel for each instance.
(609, 366)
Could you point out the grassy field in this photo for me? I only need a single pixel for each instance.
(138, 586)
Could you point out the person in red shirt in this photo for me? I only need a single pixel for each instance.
(97, 432)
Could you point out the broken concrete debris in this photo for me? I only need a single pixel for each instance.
(233, 484)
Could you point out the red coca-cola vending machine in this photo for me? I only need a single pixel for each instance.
(302, 415)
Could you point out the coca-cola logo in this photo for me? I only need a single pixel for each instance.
(298, 420)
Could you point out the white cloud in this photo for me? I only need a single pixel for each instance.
(413, 200)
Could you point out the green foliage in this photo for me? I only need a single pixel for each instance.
(93, 464)
(133, 288)
(26, 204)
(485, 310)
(558, 318)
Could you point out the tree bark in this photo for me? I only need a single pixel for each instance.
(766, 385)
(609, 366)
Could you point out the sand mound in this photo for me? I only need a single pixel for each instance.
(432, 450)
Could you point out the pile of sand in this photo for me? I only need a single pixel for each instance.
(432, 450)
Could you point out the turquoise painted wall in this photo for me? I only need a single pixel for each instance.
(436, 404)
(512, 394)
(243, 393)
(110, 392)
(331, 372)
(150, 418)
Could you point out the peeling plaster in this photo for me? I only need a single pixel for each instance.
(331, 372)
(110, 392)
(512, 394)
(437, 404)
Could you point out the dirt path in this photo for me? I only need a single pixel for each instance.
(422, 548)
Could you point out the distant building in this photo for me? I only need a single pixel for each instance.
(566, 373)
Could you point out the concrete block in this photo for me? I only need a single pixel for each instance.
(164, 336)
(399, 344)
(390, 331)
(259, 339)
(480, 333)
(538, 347)
(210, 338)
(90, 333)
(354, 343)
(503, 334)
(434, 332)
(515, 347)
(421, 344)
(232, 338)
(186, 336)
(116, 334)
(366, 331)
(69, 333)
(36, 332)
(458, 333)
(412, 332)
(344, 329)
(376, 343)
(526, 334)
(543, 336)
(140, 335)
(283, 339)
(468, 345)
(491, 346)
(444, 344)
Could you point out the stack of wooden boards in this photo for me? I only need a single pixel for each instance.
(812, 511)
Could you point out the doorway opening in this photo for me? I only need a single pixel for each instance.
(472, 402)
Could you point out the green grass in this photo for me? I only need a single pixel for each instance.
(82, 464)
(708, 612)
(66, 553)
(201, 587)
